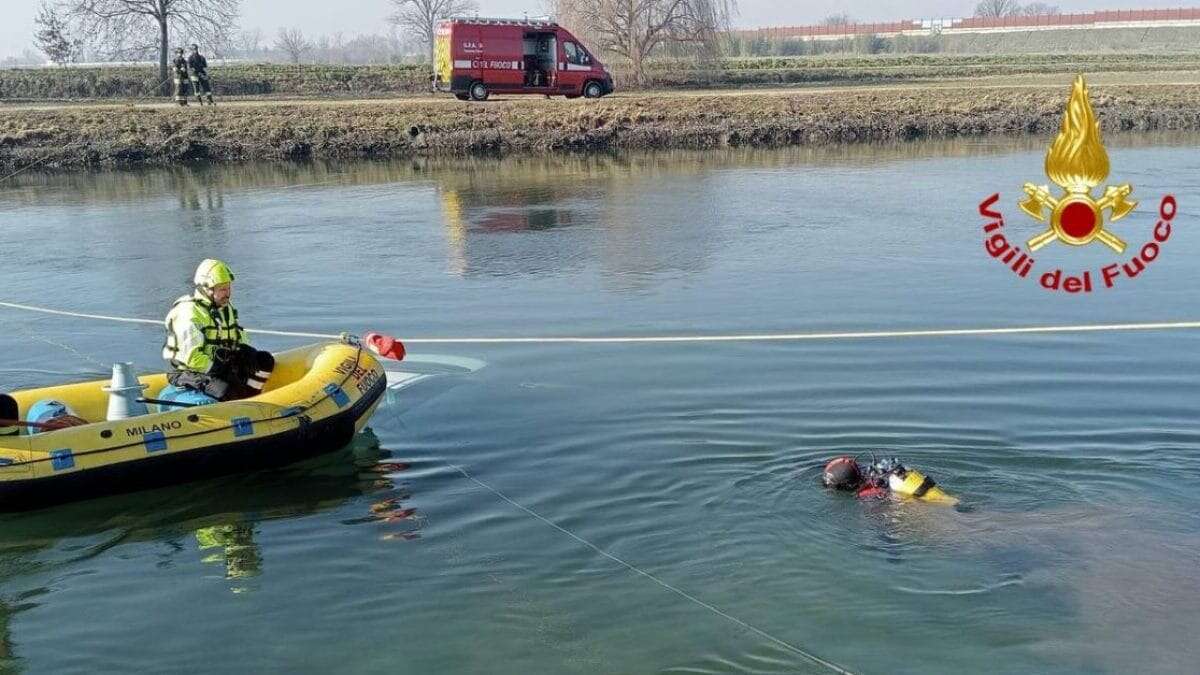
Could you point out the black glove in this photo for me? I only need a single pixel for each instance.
(223, 363)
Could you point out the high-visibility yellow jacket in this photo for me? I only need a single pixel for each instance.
(197, 329)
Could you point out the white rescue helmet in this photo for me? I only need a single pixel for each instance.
(211, 273)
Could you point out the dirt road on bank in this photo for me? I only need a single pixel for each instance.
(1035, 81)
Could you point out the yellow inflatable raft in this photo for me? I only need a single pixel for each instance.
(317, 399)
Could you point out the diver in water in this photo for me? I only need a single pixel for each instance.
(882, 478)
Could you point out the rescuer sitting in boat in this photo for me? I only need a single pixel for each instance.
(883, 478)
(207, 347)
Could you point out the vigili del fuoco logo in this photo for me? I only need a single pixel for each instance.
(1077, 163)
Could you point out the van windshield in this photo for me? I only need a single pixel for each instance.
(576, 55)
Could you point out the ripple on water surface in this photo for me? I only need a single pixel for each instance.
(1073, 549)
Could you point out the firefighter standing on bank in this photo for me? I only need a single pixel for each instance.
(207, 347)
(180, 71)
(200, 83)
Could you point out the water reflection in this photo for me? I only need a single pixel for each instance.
(208, 186)
(201, 196)
(479, 203)
(235, 547)
(402, 521)
(545, 215)
(217, 518)
(7, 656)
(610, 203)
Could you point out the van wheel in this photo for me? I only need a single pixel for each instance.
(479, 92)
(462, 97)
(593, 90)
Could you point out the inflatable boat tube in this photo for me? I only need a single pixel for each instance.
(316, 400)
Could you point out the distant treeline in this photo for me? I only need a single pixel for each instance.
(1158, 39)
(863, 69)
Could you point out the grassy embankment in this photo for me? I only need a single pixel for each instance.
(924, 100)
(98, 136)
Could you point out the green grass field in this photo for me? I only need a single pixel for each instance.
(329, 81)
(43, 84)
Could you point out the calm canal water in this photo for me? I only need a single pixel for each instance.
(1075, 549)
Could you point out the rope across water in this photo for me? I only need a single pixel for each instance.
(829, 665)
(659, 339)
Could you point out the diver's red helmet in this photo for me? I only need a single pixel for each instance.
(842, 473)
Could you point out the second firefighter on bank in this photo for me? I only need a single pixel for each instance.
(191, 71)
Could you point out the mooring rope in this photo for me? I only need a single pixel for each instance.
(651, 339)
(637, 570)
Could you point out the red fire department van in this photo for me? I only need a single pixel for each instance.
(476, 57)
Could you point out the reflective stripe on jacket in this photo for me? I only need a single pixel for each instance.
(196, 329)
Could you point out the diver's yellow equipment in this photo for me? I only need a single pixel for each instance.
(914, 484)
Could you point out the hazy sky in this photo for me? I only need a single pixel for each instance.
(365, 16)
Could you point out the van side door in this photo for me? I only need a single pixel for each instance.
(575, 66)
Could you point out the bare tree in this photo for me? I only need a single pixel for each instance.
(419, 18)
(1040, 9)
(994, 8)
(223, 45)
(366, 49)
(137, 27)
(842, 19)
(292, 42)
(323, 49)
(28, 57)
(249, 42)
(567, 13)
(52, 35)
(635, 28)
